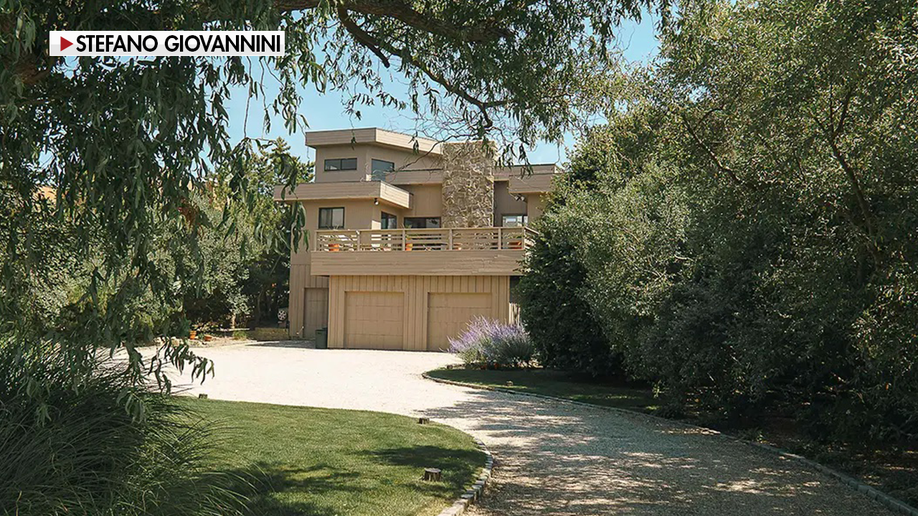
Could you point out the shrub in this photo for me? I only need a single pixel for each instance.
(747, 257)
(490, 342)
(78, 451)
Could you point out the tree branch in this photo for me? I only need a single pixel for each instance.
(486, 30)
(483, 106)
(361, 35)
(831, 132)
(720, 166)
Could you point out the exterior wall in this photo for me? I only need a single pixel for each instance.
(468, 186)
(357, 215)
(505, 203)
(417, 292)
(342, 151)
(300, 280)
(535, 205)
(539, 181)
(344, 190)
(426, 201)
(492, 262)
(407, 160)
(365, 154)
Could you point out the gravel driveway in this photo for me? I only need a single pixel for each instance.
(552, 458)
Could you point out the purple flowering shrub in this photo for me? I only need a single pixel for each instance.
(486, 341)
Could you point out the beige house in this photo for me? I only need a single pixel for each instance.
(408, 239)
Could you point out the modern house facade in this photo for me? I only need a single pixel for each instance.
(408, 239)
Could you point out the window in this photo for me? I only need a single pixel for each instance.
(380, 168)
(341, 164)
(514, 221)
(389, 221)
(422, 222)
(331, 218)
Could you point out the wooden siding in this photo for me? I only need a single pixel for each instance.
(415, 292)
(422, 263)
(416, 177)
(345, 190)
(300, 280)
(316, 310)
(426, 201)
(371, 135)
(505, 173)
(533, 183)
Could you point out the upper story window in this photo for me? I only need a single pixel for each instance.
(422, 222)
(341, 164)
(380, 168)
(514, 221)
(388, 221)
(331, 218)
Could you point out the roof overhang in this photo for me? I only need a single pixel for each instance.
(538, 179)
(374, 136)
(382, 191)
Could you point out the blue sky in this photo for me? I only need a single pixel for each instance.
(326, 111)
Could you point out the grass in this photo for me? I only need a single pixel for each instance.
(323, 462)
(893, 470)
(558, 384)
(266, 333)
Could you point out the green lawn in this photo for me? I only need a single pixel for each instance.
(555, 383)
(321, 462)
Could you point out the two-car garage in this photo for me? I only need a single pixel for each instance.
(411, 312)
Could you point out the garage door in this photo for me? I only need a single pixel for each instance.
(449, 314)
(374, 320)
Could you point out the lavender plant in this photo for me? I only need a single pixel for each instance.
(486, 341)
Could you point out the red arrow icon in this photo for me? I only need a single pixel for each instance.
(65, 43)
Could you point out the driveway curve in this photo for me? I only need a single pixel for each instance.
(552, 458)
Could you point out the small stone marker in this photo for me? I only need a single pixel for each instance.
(202, 396)
(423, 420)
(509, 383)
(432, 475)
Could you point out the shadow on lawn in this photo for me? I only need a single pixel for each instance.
(271, 489)
(459, 467)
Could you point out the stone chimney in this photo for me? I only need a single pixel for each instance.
(468, 185)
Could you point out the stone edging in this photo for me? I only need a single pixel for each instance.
(884, 499)
(475, 492)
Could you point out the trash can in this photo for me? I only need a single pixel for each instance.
(322, 338)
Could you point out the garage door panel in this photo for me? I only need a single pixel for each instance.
(374, 320)
(448, 315)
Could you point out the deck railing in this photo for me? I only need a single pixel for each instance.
(441, 239)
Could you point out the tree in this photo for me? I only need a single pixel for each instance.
(746, 233)
(268, 268)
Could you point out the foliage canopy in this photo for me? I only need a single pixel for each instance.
(749, 239)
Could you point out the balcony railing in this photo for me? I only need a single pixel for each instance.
(442, 239)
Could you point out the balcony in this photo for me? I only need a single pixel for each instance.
(440, 252)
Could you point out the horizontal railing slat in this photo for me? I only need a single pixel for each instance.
(432, 239)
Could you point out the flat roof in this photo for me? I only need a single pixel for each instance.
(371, 135)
